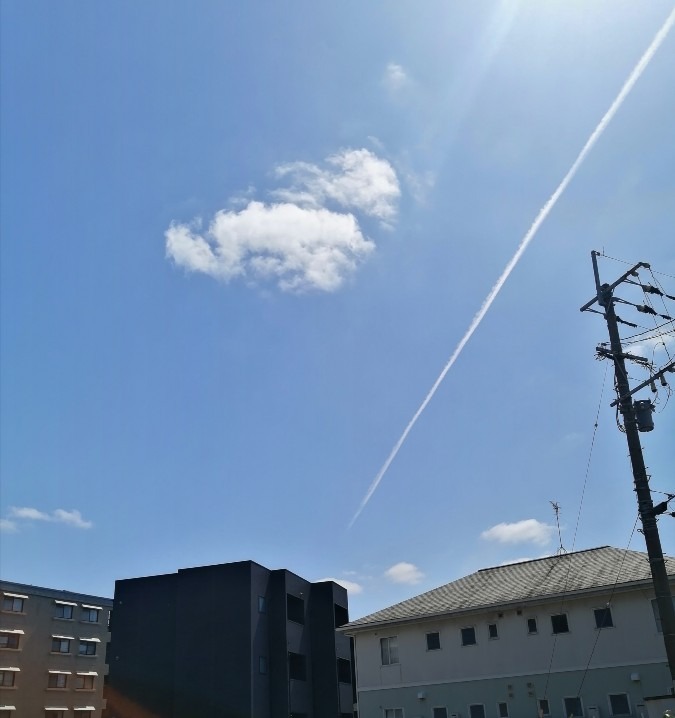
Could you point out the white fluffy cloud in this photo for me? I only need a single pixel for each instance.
(351, 586)
(27, 513)
(354, 179)
(525, 531)
(404, 573)
(296, 241)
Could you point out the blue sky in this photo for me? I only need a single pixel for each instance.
(239, 245)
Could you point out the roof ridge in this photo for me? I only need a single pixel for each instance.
(547, 558)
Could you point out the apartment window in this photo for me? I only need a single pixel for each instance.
(493, 631)
(262, 604)
(440, 712)
(344, 670)
(341, 615)
(13, 603)
(544, 708)
(433, 641)
(85, 681)
(619, 705)
(503, 710)
(64, 611)
(90, 614)
(83, 713)
(393, 713)
(476, 710)
(10, 639)
(657, 614)
(297, 666)
(7, 677)
(559, 623)
(87, 647)
(56, 713)
(7, 712)
(61, 644)
(532, 625)
(389, 650)
(603, 618)
(262, 665)
(295, 608)
(573, 707)
(57, 680)
(468, 636)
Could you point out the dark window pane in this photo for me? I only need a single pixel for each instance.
(531, 625)
(477, 710)
(573, 707)
(619, 704)
(559, 623)
(341, 615)
(433, 641)
(503, 709)
(295, 609)
(603, 618)
(544, 707)
(344, 670)
(492, 630)
(297, 667)
(468, 636)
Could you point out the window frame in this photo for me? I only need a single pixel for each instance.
(536, 626)
(566, 713)
(57, 676)
(496, 631)
(88, 681)
(61, 640)
(62, 607)
(499, 711)
(390, 641)
(89, 610)
(87, 643)
(11, 635)
(567, 624)
(476, 705)
(609, 705)
(393, 712)
(12, 598)
(607, 611)
(439, 708)
(469, 643)
(438, 638)
(6, 673)
(540, 710)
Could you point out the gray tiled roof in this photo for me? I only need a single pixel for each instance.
(525, 581)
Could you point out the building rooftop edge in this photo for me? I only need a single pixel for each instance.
(52, 592)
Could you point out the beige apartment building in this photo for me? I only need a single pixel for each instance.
(52, 652)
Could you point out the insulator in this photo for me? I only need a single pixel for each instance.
(652, 386)
(663, 380)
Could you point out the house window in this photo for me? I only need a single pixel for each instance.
(341, 615)
(393, 713)
(262, 665)
(389, 650)
(297, 666)
(559, 623)
(493, 632)
(6, 677)
(87, 647)
(476, 710)
(532, 625)
(468, 636)
(619, 705)
(57, 680)
(64, 611)
(9, 639)
(295, 608)
(90, 614)
(440, 712)
(61, 644)
(573, 707)
(603, 617)
(84, 682)
(344, 670)
(657, 614)
(433, 641)
(13, 603)
(262, 604)
(544, 708)
(503, 710)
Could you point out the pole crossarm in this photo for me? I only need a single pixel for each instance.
(598, 297)
(666, 368)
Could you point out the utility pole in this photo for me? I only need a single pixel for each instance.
(606, 300)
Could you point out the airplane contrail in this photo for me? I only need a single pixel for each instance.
(524, 243)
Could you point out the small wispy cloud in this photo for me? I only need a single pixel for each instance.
(404, 572)
(395, 77)
(308, 239)
(27, 513)
(651, 347)
(525, 531)
(352, 586)
(7, 526)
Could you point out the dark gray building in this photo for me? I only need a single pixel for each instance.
(229, 641)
